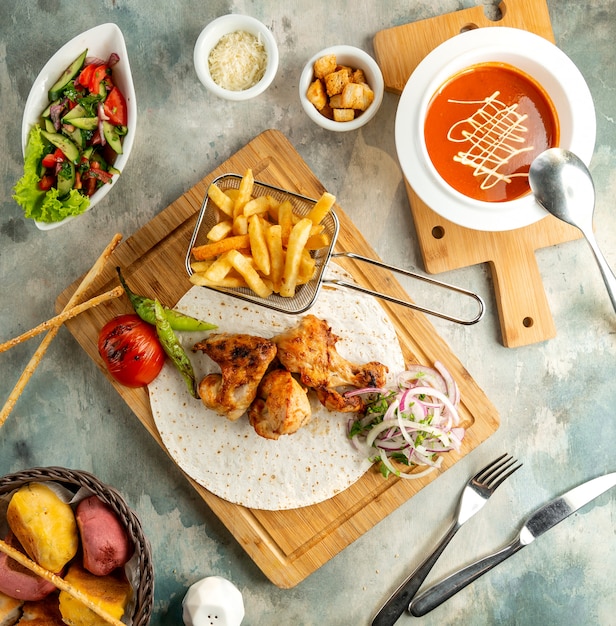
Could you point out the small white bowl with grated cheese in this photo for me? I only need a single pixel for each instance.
(236, 57)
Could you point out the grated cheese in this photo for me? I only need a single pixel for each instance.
(238, 61)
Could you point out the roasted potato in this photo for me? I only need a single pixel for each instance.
(111, 593)
(104, 539)
(18, 582)
(44, 525)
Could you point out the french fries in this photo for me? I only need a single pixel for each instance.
(321, 208)
(297, 241)
(216, 248)
(224, 202)
(259, 242)
(221, 230)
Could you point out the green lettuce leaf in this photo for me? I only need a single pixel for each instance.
(43, 206)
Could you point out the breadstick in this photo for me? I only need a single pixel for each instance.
(40, 351)
(59, 319)
(58, 581)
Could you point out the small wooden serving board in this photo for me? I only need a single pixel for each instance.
(523, 308)
(286, 545)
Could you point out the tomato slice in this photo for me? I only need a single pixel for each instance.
(99, 75)
(131, 350)
(85, 77)
(46, 182)
(115, 108)
(99, 174)
(49, 160)
(88, 184)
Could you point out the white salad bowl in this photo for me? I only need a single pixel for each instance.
(100, 41)
(533, 55)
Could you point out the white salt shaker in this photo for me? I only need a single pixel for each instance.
(213, 601)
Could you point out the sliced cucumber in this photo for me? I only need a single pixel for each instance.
(70, 150)
(69, 73)
(66, 178)
(47, 111)
(112, 137)
(86, 123)
(77, 136)
(49, 127)
(41, 170)
(97, 158)
(77, 111)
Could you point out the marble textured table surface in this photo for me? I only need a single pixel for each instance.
(556, 399)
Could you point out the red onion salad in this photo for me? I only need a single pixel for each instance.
(411, 423)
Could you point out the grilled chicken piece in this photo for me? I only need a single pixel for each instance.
(309, 349)
(243, 361)
(333, 400)
(282, 406)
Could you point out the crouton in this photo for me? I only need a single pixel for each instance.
(336, 81)
(316, 94)
(335, 102)
(368, 96)
(325, 65)
(327, 112)
(356, 96)
(358, 76)
(344, 115)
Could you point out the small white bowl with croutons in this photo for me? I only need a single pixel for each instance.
(341, 88)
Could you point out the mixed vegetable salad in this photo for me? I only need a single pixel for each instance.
(72, 150)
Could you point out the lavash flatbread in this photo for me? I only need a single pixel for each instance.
(229, 458)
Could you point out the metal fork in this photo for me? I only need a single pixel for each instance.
(476, 493)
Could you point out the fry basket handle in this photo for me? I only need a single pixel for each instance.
(410, 305)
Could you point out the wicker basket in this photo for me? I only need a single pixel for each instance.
(73, 480)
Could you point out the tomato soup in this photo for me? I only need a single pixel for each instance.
(483, 128)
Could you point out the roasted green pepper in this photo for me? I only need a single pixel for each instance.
(144, 307)
(173, 348)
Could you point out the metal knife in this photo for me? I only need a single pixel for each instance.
(538, 523)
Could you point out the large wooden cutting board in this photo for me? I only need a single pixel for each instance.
(286, 545)
(523, 308)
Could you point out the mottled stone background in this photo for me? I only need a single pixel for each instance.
(556, 399)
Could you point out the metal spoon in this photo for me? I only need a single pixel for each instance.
(563, 186)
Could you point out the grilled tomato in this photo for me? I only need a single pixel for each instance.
(131, 350)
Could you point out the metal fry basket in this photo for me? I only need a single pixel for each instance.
(306, 294)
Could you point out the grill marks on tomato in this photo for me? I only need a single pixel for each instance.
(131, 350)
